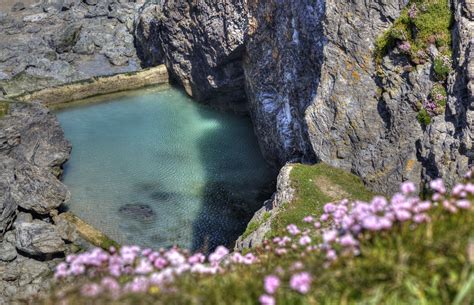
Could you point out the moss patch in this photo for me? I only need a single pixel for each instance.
(3, 108)
(421, 23)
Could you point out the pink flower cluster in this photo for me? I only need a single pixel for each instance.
(338, 231)
(413, 11)
(404, 46)
(148, 268)
(347, 221)
(430, 106)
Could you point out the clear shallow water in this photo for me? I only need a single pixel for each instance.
(156, 169)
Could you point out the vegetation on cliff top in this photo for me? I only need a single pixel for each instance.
(316, 185)
(422, 25)
(403, 250)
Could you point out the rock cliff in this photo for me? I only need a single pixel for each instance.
(317, 92)
(201, 43)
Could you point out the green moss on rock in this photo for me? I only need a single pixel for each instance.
(3, 108)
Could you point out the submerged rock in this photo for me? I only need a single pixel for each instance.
(138, 211)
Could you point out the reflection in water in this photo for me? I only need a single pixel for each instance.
(156, 169)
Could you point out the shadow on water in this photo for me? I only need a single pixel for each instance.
(227, 204)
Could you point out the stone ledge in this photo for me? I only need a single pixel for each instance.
(97, 86)
(88, 232)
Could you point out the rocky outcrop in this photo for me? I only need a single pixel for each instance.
(284, 194)
(201, 43)
(32, 152)
(56, 42)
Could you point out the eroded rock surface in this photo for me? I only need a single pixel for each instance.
(201, 43)
(314, 90)
(32, 152)
(56, 42)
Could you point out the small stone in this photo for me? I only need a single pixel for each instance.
(21, 218)
(7, 252)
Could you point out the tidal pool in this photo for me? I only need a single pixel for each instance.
(155, 169)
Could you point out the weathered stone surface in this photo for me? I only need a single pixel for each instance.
(34, 189)
(201, 43)
(21, 218)
(8, 206)
(314, 93)
(60, 41)
(39, 238)
(33, 134)
(7, 252)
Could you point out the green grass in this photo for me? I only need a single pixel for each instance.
(424, 118)
(432, 24)
(441, 69)
(316, 185)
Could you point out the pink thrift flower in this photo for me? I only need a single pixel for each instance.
(266, 300)
(197, 258)
(91, 290)
(218, 255)
(408, 188)
(305, 240)
(271, 284)
(308, 219)
(144, 267)
(438, 186)
(331, 255)
(348, 241)
(329, 236)
(301, 282)
(293, 229)
(463, 204)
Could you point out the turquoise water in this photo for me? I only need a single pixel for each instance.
(156, 169)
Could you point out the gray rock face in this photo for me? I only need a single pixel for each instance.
(38, 238)
(32, 151)
(201, 43)
(313, 87)
(325, 92)
(61, 41)
(282, 67)
(31, 133)
(8, 206)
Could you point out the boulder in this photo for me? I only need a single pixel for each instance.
(36, 190)
(39, 238)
